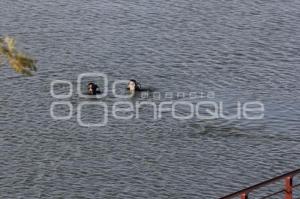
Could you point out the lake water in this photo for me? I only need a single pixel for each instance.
(238, 50)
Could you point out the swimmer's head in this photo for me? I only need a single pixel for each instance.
(92, 88)
(133, 85)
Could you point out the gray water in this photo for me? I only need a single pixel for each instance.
(240, 50)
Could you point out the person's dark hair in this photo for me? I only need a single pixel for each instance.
(137, 84)
(93, 87)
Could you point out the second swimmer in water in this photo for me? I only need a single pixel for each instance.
(133, 86)
(93, 89)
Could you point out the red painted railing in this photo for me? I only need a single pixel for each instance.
(288, 187)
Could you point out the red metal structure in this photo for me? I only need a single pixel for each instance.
(288, 187)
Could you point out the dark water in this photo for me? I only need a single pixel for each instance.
(240, 50)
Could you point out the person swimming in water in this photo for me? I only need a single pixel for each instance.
(93, 89)
(133, 86)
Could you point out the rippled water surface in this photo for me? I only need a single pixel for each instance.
(240, 50)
